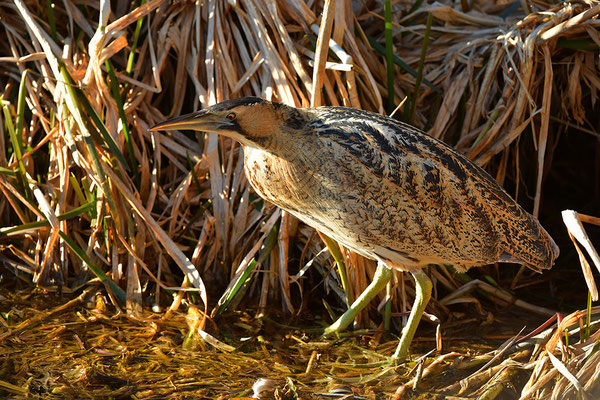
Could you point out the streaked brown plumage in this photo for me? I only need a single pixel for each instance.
(380, 187)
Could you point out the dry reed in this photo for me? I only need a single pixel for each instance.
(88, 193)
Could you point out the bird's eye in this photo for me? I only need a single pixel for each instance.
(231, 116)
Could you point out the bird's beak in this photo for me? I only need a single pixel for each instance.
(202, 120)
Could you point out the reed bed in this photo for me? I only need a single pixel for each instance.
(91, 198)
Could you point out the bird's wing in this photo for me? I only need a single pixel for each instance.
(431, 173)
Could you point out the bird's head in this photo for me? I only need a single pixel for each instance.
(251, 121)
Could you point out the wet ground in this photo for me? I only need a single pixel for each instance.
(50, 348)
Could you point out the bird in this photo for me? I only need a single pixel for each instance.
(380, 187)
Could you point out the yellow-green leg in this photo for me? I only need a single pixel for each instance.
(382, 276)
(423, 287)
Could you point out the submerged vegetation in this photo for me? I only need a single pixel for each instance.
(118, 219)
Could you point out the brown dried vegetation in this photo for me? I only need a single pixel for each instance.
(89, 196)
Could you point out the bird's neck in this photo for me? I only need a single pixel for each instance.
(281, 132)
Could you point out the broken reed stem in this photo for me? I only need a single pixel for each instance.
(321, 52)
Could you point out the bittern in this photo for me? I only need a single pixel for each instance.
(380, 187)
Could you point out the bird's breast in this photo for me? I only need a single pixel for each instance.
(307, 185)
(282, 182)
(333, 197)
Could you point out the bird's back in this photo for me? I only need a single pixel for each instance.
(391, 192)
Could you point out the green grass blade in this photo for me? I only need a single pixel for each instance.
(81, 101)
(588, 319)
(76, 95)
(389, 55)
(8, 172)
(434, 112)
(77, 189)
(108, 283)
(227, 297)
(487, 128)
(40, 224)
(51, 20)
(15, 135)
(14, 140)
(108, 139)
(69, 136)
(77, 211)
(415, 7)
(419, 77)
(136, 37)
(18, 134)
(114, 84)
(21, 116)
(400, 62)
